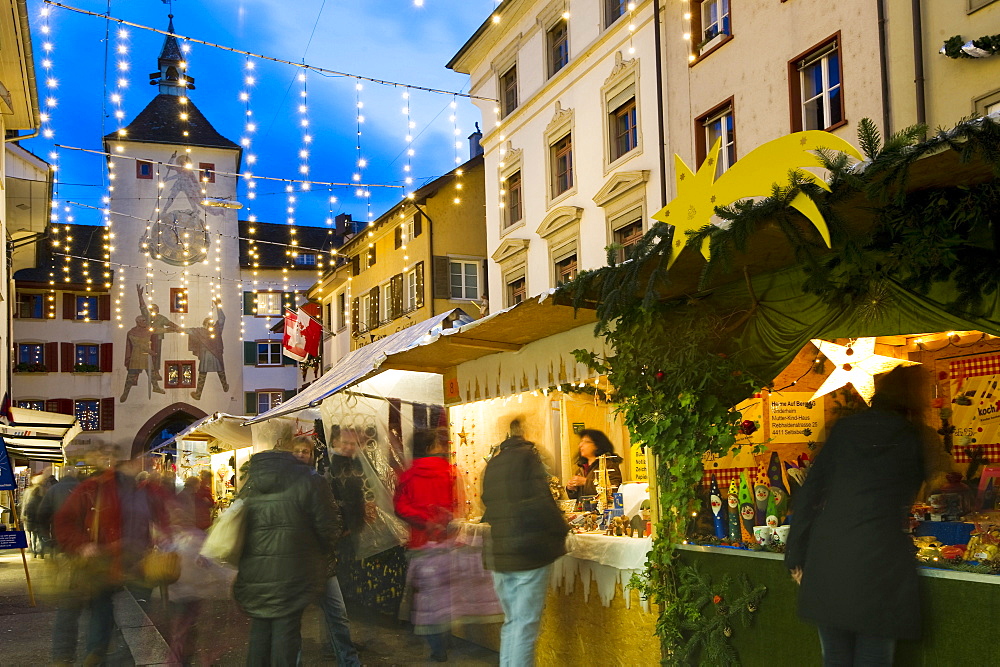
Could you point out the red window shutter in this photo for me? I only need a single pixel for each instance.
(51, 357)
(104, 306)
(69, 306)
(107, 414)
(107, 357)
(66, 354)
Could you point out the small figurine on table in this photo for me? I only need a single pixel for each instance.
(733, 501)
(718, 512)
(747, 512)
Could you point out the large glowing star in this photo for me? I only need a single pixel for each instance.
(754, 175)
(856, 365)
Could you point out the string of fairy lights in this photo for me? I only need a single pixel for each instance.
(166, 174)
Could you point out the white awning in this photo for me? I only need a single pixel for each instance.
(38, 435)
(226, 428)
(363, 363)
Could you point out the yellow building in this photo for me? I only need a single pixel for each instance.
(424, 256)
(926, 85)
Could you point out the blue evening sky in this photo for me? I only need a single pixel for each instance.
(385, 39)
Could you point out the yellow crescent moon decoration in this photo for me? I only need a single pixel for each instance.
(754, 175)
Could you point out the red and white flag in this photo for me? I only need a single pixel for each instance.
(302, 335)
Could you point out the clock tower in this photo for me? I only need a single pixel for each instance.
(175, 259)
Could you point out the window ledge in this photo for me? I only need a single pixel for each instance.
(509, 229)
(89, 372)
(561, 197)
(836, 126)
(706, 51)
(619, 161)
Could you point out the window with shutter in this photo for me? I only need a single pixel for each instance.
(66, 357)
(371, 256)
(107, 414)
(104, 307)
(51, 357)
(398, 237)
(373, 308)
(250, 402)
(69, 306)
(249, 302)
(356, 265)
(420, 285)
(441, 277)
(397, 295)
(107, 357)
(418, 224)
(249, 353)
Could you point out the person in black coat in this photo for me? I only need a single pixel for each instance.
(846, 548)
(527, 533)
(291, 528)
(53, 500)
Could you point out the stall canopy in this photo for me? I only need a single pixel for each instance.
(364, 362)
(220, 426)
(39, 436)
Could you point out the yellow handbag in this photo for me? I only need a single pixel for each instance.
(161, 568)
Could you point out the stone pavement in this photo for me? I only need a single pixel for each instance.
(221, 631)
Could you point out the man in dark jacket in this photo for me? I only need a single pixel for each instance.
(527, 533)
(856, 567)
(292, 525)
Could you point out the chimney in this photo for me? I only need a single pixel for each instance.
(475, 148)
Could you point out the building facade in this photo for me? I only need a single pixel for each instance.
(422, 257)
(572, 161)
(168, 313)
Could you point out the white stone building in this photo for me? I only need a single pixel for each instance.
(573, 164)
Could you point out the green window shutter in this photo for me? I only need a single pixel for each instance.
(397, 296)
(441, 278)
(249, 303)
(250, 400)
(420, 284)
(398, 236)
(249, 353)
(288, 393)
(418, 224)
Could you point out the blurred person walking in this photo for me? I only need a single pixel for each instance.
(846, 548)
(204, 503)
(292, 526)
(527, 534)
(108, 522)
(425, 499)
(30, 502)
(338, 625)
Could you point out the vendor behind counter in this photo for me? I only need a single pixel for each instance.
(593, 444)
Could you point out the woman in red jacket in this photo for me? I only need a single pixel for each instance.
(426, 499)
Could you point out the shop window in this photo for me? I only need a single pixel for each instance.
(179, 375)
(31, 354)
(562, 165)
(513, 203)
(717, 125)
(624, 129)
(613, 10)
(30, 306)
(86, 307)
(88, 356)
(517, 291)
(557, 39)
(341, 311)
(178, 300)
(207, 170)
(88, 413)
(508, 91)
(269, 353)
(464, 280)
(816, 80)
(30, 404)
(268, 304)
(143, 170)
(627, 237)
(566, 269)
(268, 399)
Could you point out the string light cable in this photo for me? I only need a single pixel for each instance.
(315, 68)
(229, 173)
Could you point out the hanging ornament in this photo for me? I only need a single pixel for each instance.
(857, 365)
(748, 427)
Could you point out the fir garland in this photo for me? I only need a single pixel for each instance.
(957, 47)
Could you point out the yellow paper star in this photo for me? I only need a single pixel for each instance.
(754, 175)
(856, 365)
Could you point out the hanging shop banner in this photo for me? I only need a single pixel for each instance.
(795, 418)
(13, 539)
(976, 412)
(7, 482)
(640, 470)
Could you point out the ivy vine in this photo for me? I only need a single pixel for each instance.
(674, 375)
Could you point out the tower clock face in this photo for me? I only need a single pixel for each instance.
(179, 237)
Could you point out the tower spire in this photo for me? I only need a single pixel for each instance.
(172, 77)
